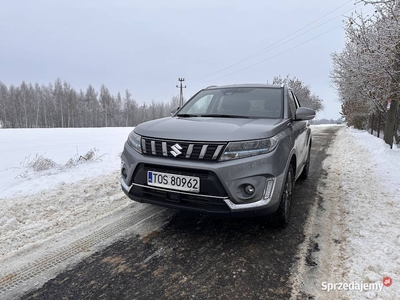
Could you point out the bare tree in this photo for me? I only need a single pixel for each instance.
(302, 91)
(126, 107)
(60, 105)
(4, 101)
(367, 72)
(118, 111)
(93, 105)
(105, 101)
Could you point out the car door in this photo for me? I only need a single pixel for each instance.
(299, 130)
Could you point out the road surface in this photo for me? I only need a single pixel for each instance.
(201, 257)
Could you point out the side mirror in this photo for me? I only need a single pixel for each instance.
(304, 113)
(174, 110)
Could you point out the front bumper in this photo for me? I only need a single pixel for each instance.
(222, 183)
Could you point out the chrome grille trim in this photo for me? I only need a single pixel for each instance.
(207, 151)
(203, 151)
(144, 146)
(189, 151)
(164, 149)
(217, 151)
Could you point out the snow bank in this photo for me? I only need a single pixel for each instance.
(370, 197)
(17, 146)
(35, 206)
(31, 220)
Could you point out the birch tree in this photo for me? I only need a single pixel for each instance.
(4, 101)
(105, 101)
(91, 100)
(60, 105)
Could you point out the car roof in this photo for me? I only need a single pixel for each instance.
(245, 85)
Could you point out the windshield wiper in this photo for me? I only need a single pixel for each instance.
(186, 115)
(225, 116)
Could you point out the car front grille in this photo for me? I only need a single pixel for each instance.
(182, 149)
(178, 200)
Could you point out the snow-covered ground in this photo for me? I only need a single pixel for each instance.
(20, 146)
(362, 189)
(353, 235)
(35, 206)
(370, 198)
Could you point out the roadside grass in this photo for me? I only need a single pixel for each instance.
(39, 163)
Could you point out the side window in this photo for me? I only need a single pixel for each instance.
(292, 103)
(201, 106)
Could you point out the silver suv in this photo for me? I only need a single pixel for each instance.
(230, 150)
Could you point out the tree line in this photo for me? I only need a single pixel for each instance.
(366, 72)
(60, 105)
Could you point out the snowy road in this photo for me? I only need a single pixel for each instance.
(195, 255)
(344, 230)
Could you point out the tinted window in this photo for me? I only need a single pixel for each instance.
(201, 105)
(247, 102)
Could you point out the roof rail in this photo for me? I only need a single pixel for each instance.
(211, 86)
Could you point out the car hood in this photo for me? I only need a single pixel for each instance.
(210, 129)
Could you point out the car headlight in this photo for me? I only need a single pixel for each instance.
(236, 150)
(135, 141)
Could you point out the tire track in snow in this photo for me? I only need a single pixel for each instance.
(72, 222)
(27, 220)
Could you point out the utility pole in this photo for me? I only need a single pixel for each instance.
(181, 91)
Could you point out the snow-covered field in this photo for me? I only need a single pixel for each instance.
(35, 206)
(20, 146)
(363, 180)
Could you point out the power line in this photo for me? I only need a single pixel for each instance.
(269, 47)
(276, 44)
(248, 67)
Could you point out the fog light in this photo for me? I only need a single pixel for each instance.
(249, 189)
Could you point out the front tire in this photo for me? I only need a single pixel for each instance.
(283, 213)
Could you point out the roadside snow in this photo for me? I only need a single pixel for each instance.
(353, 233)
(17, 146)
(35, 206)
(28, 220)
(370, 188)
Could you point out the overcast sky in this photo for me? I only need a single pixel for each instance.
(145, 46)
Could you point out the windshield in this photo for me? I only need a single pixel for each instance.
(244, 102)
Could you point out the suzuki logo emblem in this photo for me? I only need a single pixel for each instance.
(176, 150)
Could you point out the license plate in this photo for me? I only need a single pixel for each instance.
(173, 181)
